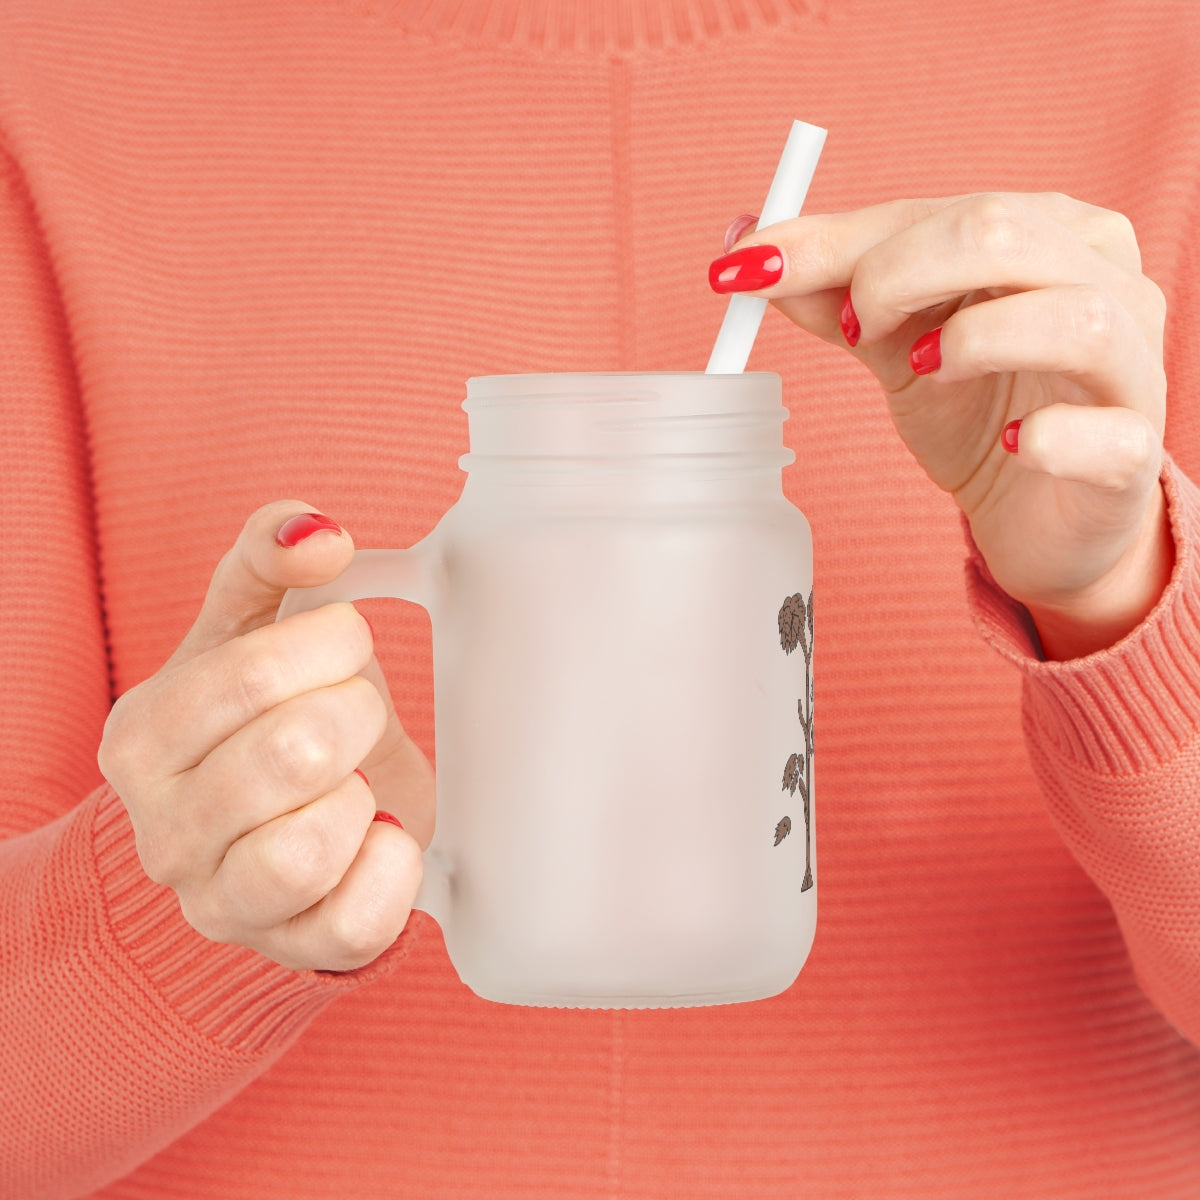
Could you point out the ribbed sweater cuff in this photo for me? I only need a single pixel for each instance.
(1126, 709)
(233, 996)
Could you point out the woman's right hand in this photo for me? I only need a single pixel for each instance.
(237, 762)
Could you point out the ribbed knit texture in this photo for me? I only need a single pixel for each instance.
(252, 251)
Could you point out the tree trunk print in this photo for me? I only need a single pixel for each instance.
(796, 629)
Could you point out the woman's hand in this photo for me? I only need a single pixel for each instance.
(979, 312)
(237, 762)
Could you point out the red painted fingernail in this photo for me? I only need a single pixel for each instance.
(926, 353)
(737, 227)
(851, 329)
(362, 777)
(295, 529)
(1009, 436)
(380, 815)
(746, 270)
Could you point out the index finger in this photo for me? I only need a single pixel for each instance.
(821, 250)
(190, 709)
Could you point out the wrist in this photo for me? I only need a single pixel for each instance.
(1113, 606)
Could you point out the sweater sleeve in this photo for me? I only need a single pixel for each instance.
(1114, 739)
(120, 1027)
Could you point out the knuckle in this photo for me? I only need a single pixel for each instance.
(1117, 229)
(994, 226)
(351, 633)
(1157, 392)
(112, 753)
(120, 752)
(1059, 206)
(258, 679)
(297, 859)
(1156, 300)
(969, 341)
(1117, 476)
(1141, 446)
(159, 856)
(817, 254)
(208, 919)
(1126, 451)
(878, 285)
(1090, 318)
(360, 934)
(917, 208)
(1112, 234)
(371, 714)
(298, 751)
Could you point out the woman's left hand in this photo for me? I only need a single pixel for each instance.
(978, 312)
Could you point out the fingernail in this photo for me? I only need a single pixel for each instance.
(1009, 436)
(746, 270)
(362, 777)
(380, 815)
(737, 227)
(295, 529)
(926, 353)
(851, 330)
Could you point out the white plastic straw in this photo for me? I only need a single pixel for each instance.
(788, 189)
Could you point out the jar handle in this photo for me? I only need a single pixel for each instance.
(401, 575)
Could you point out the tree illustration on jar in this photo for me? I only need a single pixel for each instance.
(796, 629)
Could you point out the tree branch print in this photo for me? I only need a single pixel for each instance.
(796, 630)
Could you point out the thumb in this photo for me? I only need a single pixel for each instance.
(283, 545)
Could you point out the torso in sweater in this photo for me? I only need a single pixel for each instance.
(284, 236)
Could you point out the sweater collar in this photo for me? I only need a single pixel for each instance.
(616, 26)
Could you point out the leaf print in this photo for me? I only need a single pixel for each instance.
(793, 773)
(791, 623)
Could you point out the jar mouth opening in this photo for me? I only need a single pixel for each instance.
(528, 378)
(720, 462)
(668, 389)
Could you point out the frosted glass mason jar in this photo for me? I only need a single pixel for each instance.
(621, 602)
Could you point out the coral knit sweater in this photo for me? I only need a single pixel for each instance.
(251, 251)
